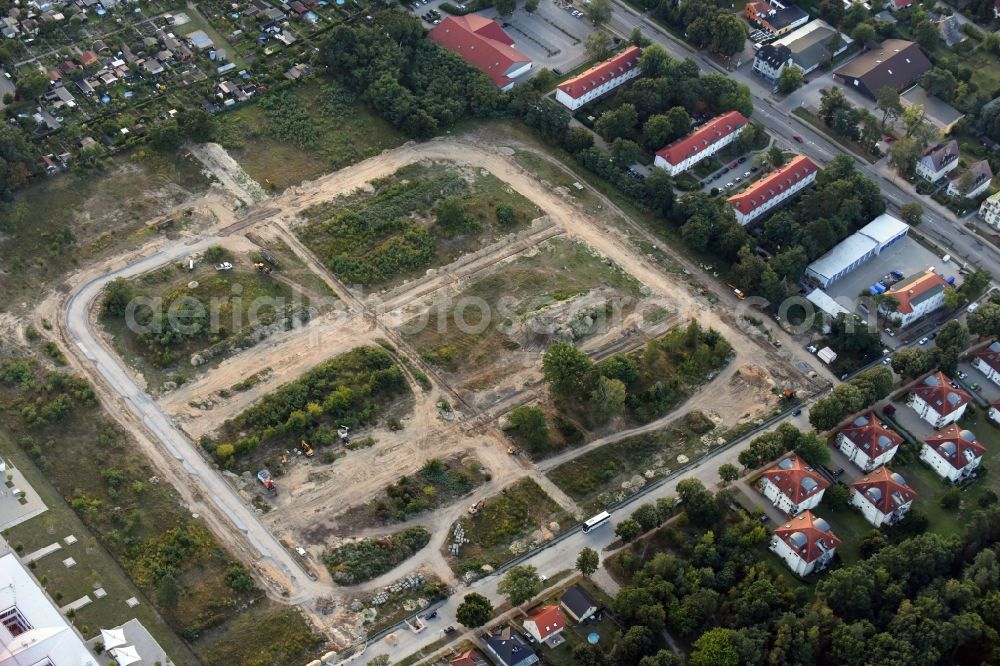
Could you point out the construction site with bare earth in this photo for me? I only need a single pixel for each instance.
(344, 403)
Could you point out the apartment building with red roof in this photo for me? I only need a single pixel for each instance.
(792, 485)
(938, 400)
(882, 497)
(953, 453)
(916, 296)
(704, 142)
(987, 362)
(806, 543)
(545, 622)
(599, 79)
(867, 442)
(773, 189)
(483, 44)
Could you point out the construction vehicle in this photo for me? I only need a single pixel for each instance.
(739, 294)
(268, 258)
(224, 266)
(306, 449)
(474, 509)
(264, 477)
(342, 433)
(262, 268)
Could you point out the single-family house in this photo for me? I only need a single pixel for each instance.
(773, 189)
(704, 142)
(951, 31)
(987, 362)
(599, 79)
(577, 603)
(915, 297)
(545, 622)
(509, 649)
(938, 400)
(938, 161)
(867, 442)
(882, 497)
(806, 543)
(953, 453)
(792, 485)
(972, 182)
(469, 658)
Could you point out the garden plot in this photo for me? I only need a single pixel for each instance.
(487, 334)
(422, 216)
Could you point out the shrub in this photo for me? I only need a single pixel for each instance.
(363, 560)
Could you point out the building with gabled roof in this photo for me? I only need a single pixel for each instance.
(792, 485)
(482, 43)
(806, 543)
(509, 649)
(987, 361)
(867, 442)
(577, 603)
(599, 79)
(895, 63)
(469, 658)
(938, 161)
(916, 296)
(704, 142)
(776, 20)
(814, 44)
(770, 60)
(882, 497)
(989, 210)
(994, 411)
(773, 189)
(982, 176)
(545, 622)
(953, 453)
(938, 400)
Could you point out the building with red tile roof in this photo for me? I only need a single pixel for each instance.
(704, 142)
(469, 658)
(806, 543)
(938, 400)
(793, 486)
(774, 188)
(953, 453)
(483, 44)
(867, 442)
(987, 362)
(917, 296)
(599, 79)
(545, 622)
(882, 496)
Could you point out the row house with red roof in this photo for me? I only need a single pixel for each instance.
(882, 496)
(988, 362)
(793, 486)
(704, 142)
(806, 543)
(938, 400)
(953, 453)
(599, 79)
(867, 442)
(773, 189)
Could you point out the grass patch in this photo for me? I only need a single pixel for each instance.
(360, 561)
(504, 526)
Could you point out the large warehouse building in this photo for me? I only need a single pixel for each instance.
(856, 249)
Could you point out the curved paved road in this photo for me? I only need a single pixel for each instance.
(175, 443)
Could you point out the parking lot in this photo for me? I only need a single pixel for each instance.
(985, 388)
(552, 37)
(737, 172)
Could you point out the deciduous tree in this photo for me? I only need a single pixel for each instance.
(474, 611)
(587, 561)
(791, 79)
(520, 584)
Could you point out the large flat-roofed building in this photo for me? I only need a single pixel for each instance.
(856, 249)
(896, 63)
(810, 46)
(483, 44)
(704, 142)
(599, 79)
(774, 188)
(937, 112)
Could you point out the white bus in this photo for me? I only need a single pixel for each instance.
(596, 521)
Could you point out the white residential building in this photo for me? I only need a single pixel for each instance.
(793, 486)
(868, 443)
(995, 411)
(982, 176)
(989, 210)
(938, 400)
(916, 296)
(704, 142)
(882, 497)
(599, 79)
(806, 543)
(773, 189)
(988, 362)
(938, 161)
(953, 453)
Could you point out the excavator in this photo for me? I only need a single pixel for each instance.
(306, 449)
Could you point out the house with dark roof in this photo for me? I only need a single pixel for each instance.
(770, 60)
(867, 442)
(806, 543)
(775, 19)
(882, 497)
(545, 622)
(773, 189)
(792, 485)
(599, 79)
(483, 44)
(979, 179)
(896, 63)
(509, 649)
(938, 161)
(938, 400)
(915, 297)
(987, 362)
(953, 453)
(577, 603)
(950, 30)
(704, 142)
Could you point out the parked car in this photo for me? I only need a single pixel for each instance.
(923, 341)
(811, 349)
(746, 175)
(797, 138)
(733, 165)
(742, 160)
(797, 412)
(961, 375)
(224, 266)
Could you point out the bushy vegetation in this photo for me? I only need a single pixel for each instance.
(350, 389)
(359, 561)
(866, 389)
(786, 437)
